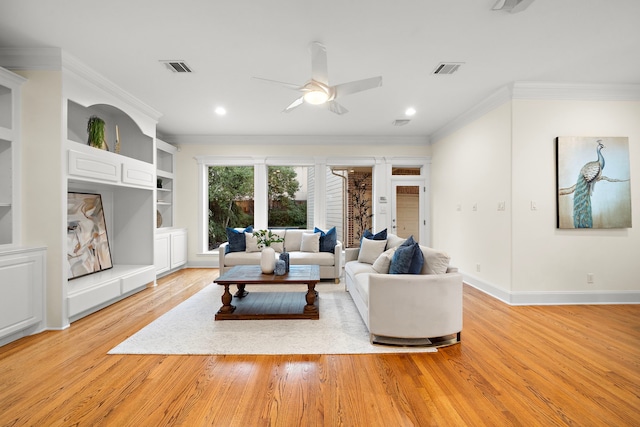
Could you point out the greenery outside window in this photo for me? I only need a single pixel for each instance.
(287, 194)
(231, 201)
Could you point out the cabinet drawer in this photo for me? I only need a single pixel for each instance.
(93, 297)
(138, 173)
(90, 166)
(138, 279)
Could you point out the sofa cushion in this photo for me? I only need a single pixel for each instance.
(242, 258)
(394, 241)
(310, 242)
(236, 239)
(417, 261)
(401, 261)
(279, 246)
(251, 242)
(293, 238)
(380, 235)
(383, 262)
(370, 250)
(328, 240)
(435, 262)
(311, 258)
(354, 268)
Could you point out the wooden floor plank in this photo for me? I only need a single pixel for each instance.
(529, 366)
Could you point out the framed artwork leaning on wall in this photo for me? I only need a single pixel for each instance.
(87, 241)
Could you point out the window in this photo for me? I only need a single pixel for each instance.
(230, 200)
(287, 194)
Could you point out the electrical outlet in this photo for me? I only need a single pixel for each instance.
(475, 207)
(534, 206)
(589, 277)
(478, 267)
(500, 206)
(458, 207)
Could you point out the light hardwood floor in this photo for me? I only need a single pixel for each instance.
(526, 366)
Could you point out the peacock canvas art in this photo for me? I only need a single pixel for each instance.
(594, 182)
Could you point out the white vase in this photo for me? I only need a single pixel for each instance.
(268, 260)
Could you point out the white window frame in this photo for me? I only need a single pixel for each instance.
(382, 187)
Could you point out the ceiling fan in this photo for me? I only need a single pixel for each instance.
(317, 90)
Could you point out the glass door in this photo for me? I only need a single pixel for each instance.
(407, 216)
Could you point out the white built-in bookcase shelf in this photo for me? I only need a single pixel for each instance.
(9, 157)
(126, 181)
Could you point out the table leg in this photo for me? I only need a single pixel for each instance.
(226, 302)
(241, 293)
(311, 299)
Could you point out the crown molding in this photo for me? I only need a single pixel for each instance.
(13, 78)
(55, 59)
(551, 91)
(576, 91)
(493, 101)
(33, 58)
(296, 140)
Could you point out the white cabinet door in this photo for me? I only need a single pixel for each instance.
(22, 278)
(178, 248)
(163, 253)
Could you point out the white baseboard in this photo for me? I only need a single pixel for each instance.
(551, 297)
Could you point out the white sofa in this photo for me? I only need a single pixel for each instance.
(330, 263)
(408, 309)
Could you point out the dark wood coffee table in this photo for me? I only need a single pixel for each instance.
(269, 305)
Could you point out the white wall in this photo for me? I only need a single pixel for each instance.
(42, 183)
(547, 259)
(509, 154)
(187, 167)
(472, 166)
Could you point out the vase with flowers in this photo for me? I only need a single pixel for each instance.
(265, 239)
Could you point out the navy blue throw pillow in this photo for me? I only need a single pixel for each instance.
(417, 261)
(237, 242)
(328, 240)
(380, 235)
(401, 261)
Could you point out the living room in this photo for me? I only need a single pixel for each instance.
(486, 152)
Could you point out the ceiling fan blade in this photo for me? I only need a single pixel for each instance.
(298, 102)
(336, 108)
(357, 86)
(287, 85)
(319, 63)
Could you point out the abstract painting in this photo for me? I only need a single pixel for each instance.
(87, 243)
(594, 182)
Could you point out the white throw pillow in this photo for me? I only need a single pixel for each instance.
(310, 242)
(251, 242)
(278, 246)
(383, 262)
(370, 250)
(435, 262)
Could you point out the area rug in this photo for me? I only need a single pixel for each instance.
(190, 328)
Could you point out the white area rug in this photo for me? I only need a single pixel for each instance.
(190, 328)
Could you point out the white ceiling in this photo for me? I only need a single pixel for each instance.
(228, 42)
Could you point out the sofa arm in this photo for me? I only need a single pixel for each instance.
(351, 254)
(337, 260)
(222, 250)
(415, 306)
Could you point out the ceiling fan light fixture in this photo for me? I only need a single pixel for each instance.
(316, 97)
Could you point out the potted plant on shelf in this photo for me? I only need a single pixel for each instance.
(96, 131)
(268, 256)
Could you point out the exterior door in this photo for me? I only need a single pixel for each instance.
(407, 217)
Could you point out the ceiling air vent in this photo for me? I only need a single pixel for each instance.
(401, 122)
(177, 66)
(447, 67)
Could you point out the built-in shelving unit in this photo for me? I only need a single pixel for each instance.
(171, 242)
(9, 156)
(165, 166)
(125, 176)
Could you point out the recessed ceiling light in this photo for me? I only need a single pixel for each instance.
(220, 111)
(410, 111)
